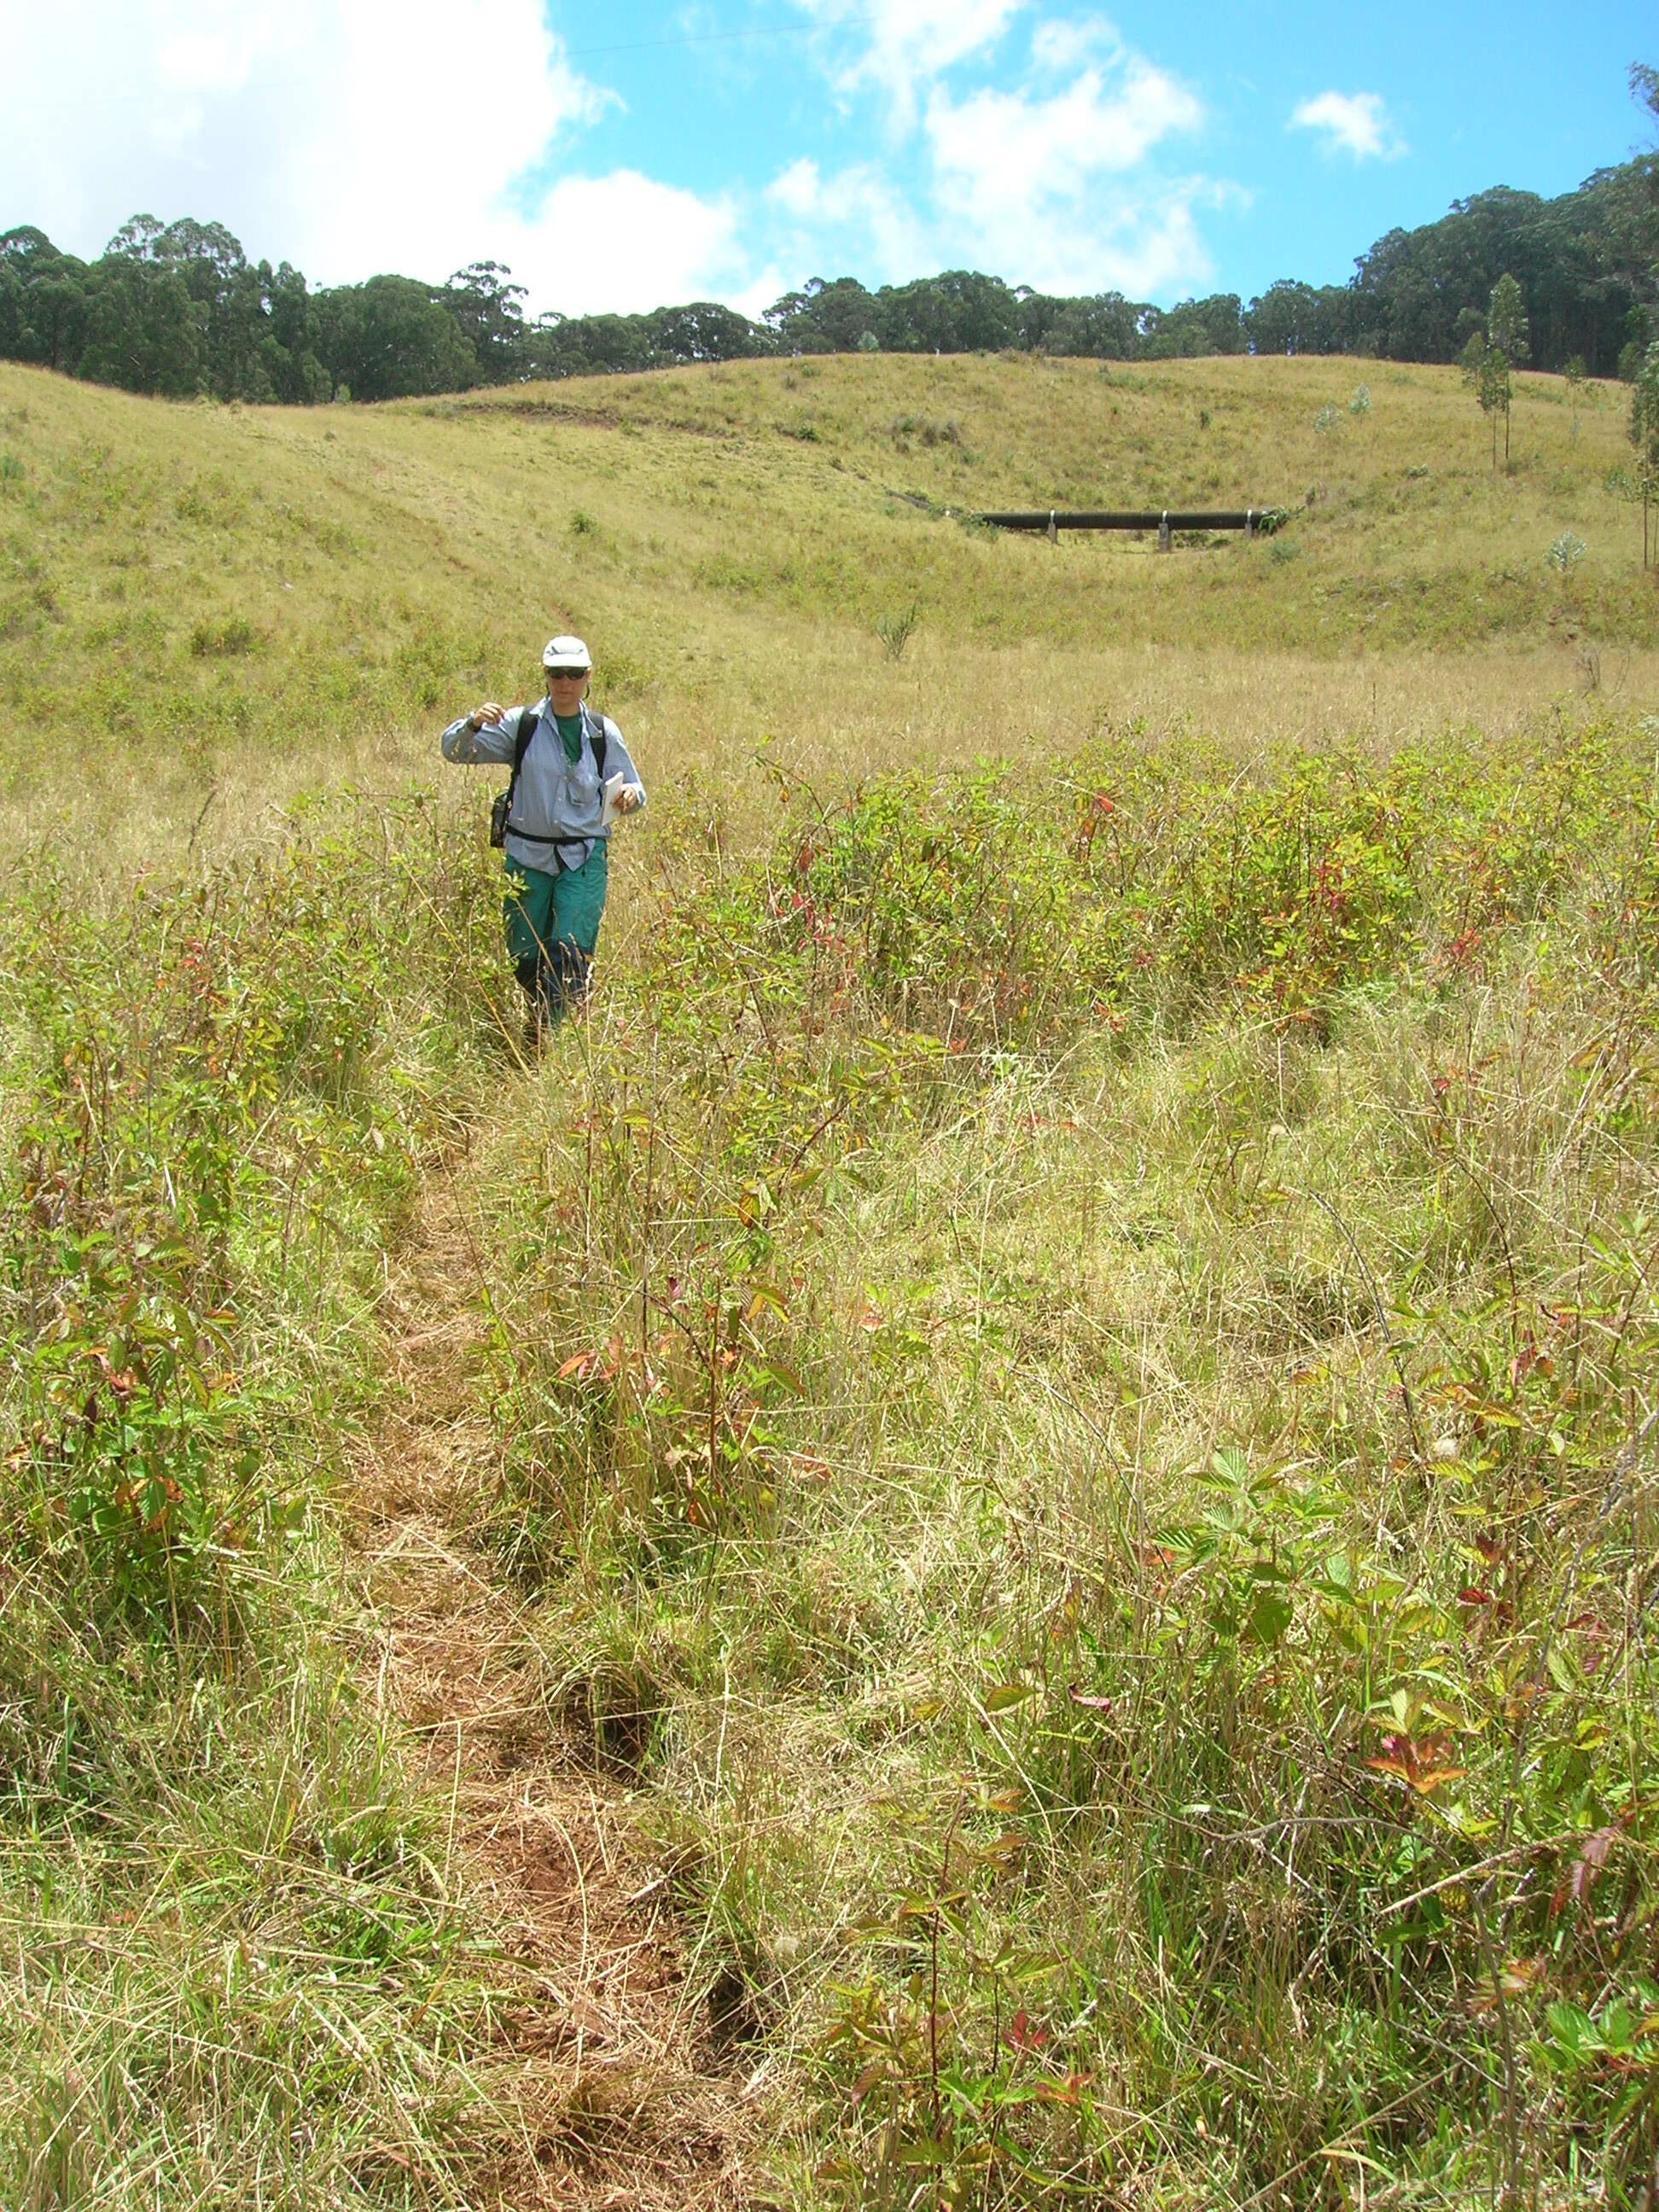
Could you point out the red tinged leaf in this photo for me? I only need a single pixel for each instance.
(1514, 1978)
(1063, 2093)
(868, 2079)
(1025, 2034)
(1394, 1766)
(1433, 1777)
(122, 1381)
(598, 1366)
(1525, 1360)
(1004, 1853)
(1597, 1636)
(1470, 1596)
(1576, 1883)
(1420, 1764)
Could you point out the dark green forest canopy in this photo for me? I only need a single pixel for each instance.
(178, 309)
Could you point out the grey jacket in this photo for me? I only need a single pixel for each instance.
(555, 813)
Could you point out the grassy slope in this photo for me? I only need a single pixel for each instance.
(262, 601)
(1025, 1296)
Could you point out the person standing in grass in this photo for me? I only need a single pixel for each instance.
(572, 777)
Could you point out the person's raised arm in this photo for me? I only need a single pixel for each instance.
(483, 735)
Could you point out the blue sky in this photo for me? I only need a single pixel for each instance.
(630, 155)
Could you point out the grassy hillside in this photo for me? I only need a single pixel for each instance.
(993, 1542)
(260, 600)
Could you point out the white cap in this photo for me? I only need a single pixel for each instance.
(566, 653)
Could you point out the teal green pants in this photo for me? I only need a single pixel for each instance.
(553, 925)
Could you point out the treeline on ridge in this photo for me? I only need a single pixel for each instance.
(178, 310)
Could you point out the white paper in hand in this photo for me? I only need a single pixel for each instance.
(611, 807)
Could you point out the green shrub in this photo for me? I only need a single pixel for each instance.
(980, 908)
(223, 640)
(1089, 1344)
(215, 1133)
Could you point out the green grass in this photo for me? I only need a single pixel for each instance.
(250, 602)
(237, 1971)
(238, 1964)
(1122, 1491)
(1069, 1347)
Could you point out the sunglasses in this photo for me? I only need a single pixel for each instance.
(566, 675)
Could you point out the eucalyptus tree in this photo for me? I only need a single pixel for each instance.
(43, 301)
(489, 313)
(1506, 336)
(1486, 375)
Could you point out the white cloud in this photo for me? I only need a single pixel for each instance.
(348, 137)
(905, 44)
(1040, 183)
(1038, 191)
(1042, 172)
(206, 61)
(1060, 44)
(856, 217)
(758, 294)
(624, 242)
(797, 189)
(995, 145)
(1355, 123)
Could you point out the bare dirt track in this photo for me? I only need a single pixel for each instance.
(614, 2086)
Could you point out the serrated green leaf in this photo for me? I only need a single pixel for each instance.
(1005, 1695)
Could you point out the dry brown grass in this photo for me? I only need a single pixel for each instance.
(617, 2079)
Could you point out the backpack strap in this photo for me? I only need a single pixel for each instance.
(529, 720)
